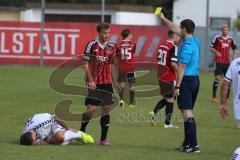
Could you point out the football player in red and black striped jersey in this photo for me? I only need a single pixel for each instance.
(125, 53)
(99, 56)
(167, 58)
(221, 46)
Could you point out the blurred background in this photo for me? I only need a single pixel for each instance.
(208, 16)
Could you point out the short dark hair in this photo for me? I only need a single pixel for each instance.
(224, 26)
(170, 33)
(102, 25)
(125, 33)
(189, 25)
(26, 139)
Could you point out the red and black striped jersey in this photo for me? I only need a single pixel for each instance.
(125, 54)
(166, 54)
(99, 58)
(223, 45)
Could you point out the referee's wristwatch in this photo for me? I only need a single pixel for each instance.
(177, 87)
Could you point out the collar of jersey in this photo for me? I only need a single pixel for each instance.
(170, 42)
(225, 37)
(101, 46)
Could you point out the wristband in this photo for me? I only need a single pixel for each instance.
(177, 87)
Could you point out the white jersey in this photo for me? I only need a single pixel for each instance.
(40, 123)
(236, 154)
(233, 75)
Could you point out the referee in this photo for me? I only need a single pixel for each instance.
(188, 83)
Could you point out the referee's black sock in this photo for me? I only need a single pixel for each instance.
(229, 89)
(194, 134)
(191, 131)
(159, 105)
(168, 112)
(85, 119)
(186, 141)
(215, 87)
(104, 121)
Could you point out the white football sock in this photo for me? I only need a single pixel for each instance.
(238, 123)
(70, 135)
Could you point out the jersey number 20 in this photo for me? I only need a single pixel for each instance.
(162, 55)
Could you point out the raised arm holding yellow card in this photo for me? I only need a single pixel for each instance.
(158, 11)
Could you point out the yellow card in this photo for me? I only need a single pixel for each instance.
(158, 11)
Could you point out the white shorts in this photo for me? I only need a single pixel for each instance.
(54, 129)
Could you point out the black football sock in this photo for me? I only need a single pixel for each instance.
(215, 87)
(85, 120)
(121, 93)
(191, 131)
(168, 112)
(132, 96)
(229, 89)
(194, 134)
(186, 141)
(159, 105)
(104, 121)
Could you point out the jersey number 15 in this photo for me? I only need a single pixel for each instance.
(126, 54)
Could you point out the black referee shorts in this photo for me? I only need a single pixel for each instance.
(221, 69)
(188, 92)
(101, 96)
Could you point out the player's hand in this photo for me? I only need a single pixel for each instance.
(92, 85)
(218, 54)
(161, 16)
(223, 111)
(176, 92)
(72, 129)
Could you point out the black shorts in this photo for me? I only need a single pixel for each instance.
(101, 96)
(221, 69)
(166, 89)
(129, 76)
(188, 92)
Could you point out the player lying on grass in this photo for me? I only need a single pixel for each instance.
(45, 128)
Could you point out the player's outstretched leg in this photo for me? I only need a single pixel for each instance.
(121, 92)
(132, 96)
(78, 137)
(168, 112)
(152, 114)
(104, 122)
(86, 117)
(215, 87)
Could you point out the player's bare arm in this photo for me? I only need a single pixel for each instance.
(172, 26)
(213, 50)
(91, 83)
(174, 66)
(114, 72)
(223, 112)
(62, 123)
(234, 53)
(42, 142)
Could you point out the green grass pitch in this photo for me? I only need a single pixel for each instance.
(25, 91)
